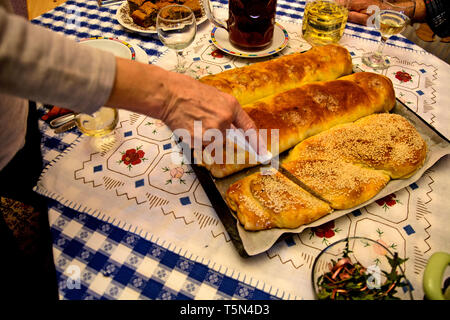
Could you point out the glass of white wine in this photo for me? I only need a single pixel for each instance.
(176, 27)
(391, 19)
(99, 126)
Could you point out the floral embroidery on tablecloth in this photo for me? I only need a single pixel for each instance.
(217, 54)
(156, 123)
(403, 76)
(388, 201)
(325, 231)
(177, 173)
(132, 157)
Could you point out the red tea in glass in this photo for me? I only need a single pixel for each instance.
(250, 23)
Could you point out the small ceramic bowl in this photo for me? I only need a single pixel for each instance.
(370, 254)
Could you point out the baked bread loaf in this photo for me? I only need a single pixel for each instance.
(386, 142)
(269, 201)
(342, 184)
(312, 108)
(343, 167)
(262, 79)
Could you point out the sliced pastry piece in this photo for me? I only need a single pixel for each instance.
(194, 5)
(342, 184)
(273, 201)
(133, 5)
(387, 142)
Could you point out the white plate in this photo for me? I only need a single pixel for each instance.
(125, 20)
(118, 47)
(141, 55)
(219, 37)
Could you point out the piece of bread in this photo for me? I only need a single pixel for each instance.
(312, 108)
(259, 80)
(273, 201)
(386, 142)
(343, 167)
(342, 184)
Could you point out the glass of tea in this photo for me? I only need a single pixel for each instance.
(324, 21)
(250, 23)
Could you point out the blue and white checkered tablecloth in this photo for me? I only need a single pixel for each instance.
(97, 258)
(84, 19)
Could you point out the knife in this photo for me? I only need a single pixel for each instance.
(268, 161)
(57, 122)
(108, 2)
(66, 126)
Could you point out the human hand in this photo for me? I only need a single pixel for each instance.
(359, 11)
(190, 100)
(178, 100)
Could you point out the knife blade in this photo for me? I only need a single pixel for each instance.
(66, 126)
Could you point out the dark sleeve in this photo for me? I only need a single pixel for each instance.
(438, 16)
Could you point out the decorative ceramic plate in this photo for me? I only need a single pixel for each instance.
(125, 20)
(219, 37)
(118, 47)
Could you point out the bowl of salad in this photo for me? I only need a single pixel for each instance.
(359, 268)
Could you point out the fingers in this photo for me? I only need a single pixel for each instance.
(357, 17)
(243, 121)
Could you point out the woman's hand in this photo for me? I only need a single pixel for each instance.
(176, 99)
(190, 100)
(358, 10)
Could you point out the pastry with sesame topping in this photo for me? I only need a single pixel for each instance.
(342, 184)
(349, 164)
(273, 201)
(337, 169)
(386, 142)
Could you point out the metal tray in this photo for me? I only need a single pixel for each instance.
(215, 188)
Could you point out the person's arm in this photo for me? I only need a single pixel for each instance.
(41, 65)
(438, 16)
(174, 98)
(38, 64)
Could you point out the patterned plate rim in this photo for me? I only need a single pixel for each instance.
(256, 54)
(129, 46)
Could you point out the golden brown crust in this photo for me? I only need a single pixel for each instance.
(345, 166)
(259, 80)
(312, 108)
(386, 142)
(273, 201)
(342, 184)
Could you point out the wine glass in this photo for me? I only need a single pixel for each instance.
(390, 19)
(176, 27)
(99, 126)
